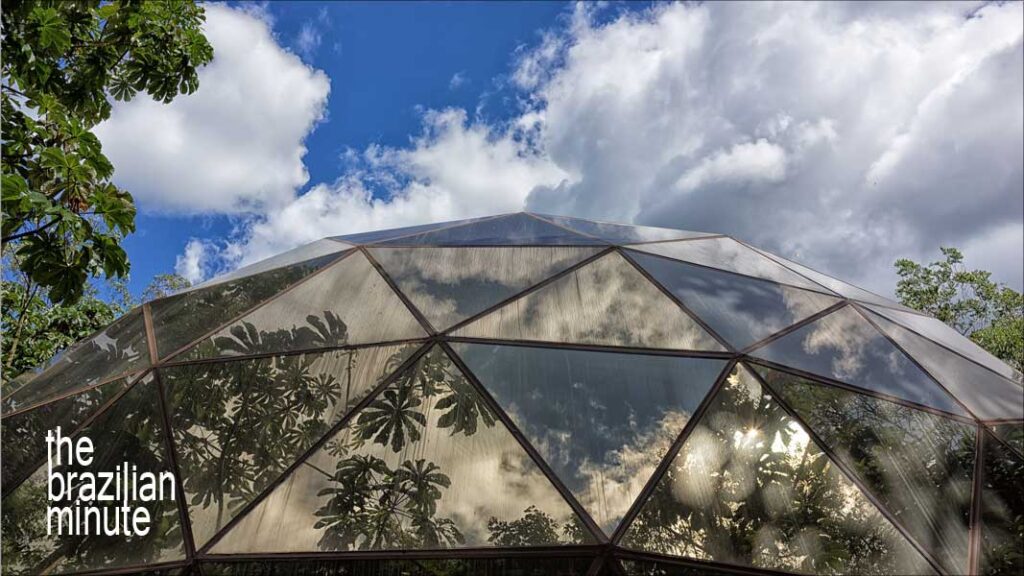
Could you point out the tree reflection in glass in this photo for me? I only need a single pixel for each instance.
(1002, 511)
(238, 424)
(131, 431)
(117, 349)
(425, 465)
(182, 318)
(22, 457)
(749, 487)
(919, 465)
(1012, 433)
(352, 304)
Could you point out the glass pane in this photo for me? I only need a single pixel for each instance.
(1012, 434)
(620, 234)
(238, 425)
(448, 285)
(606, 302)
(918, 465)
(378, 235)
(322, 247)
(837, 286)
(425, 465)
(601, 421)
(985, 393)
(515, 229)
(727, 254)
(24, 445)
(749, 487)
(939, 331)
(130, 432)
(741, 310)
(114, 351)
(1002, 511)
(845, 347)
(180, 319)
(346, 305)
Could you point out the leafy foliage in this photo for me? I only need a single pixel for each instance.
(225, 415)
(164, 285)
(36, 329)
(748, 488)
(61, 212)
(535, 528)
(968, 300)
(130, 432)
(374, 507)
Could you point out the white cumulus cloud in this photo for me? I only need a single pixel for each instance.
(236, 144)
(842, 135)
(194, 263)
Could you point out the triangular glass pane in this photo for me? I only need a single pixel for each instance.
(845, 347)
(606, 302)
(1012, 433)
(838, 286)
(621, 234)
(449, 285)
(985, 393)
(727, 254)
(602, 421)
(182, 318)
(515, 229)
(237, 425)
(348, 304)
(24, 434)
(741, 310)
(750, 487)
(114, 351)
(942, 333)
(919, 465)
(425, 465)
(132, 432)
(322, 247)
(379, 235)
(1002, 511)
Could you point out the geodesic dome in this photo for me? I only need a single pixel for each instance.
(530, 394)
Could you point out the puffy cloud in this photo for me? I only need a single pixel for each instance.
(455, 169)
(235, 145)
(194, 263)
(866, 134)
(842, 135)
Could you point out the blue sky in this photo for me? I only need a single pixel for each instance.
(395, 59)
(841, 135)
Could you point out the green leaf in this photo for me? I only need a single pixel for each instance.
(53, 31)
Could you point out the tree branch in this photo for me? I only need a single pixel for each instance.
(30, 232)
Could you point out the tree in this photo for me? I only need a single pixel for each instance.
(61, 212)
(36, 328)
(164, 285)
(990, 314)
(750, 489)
